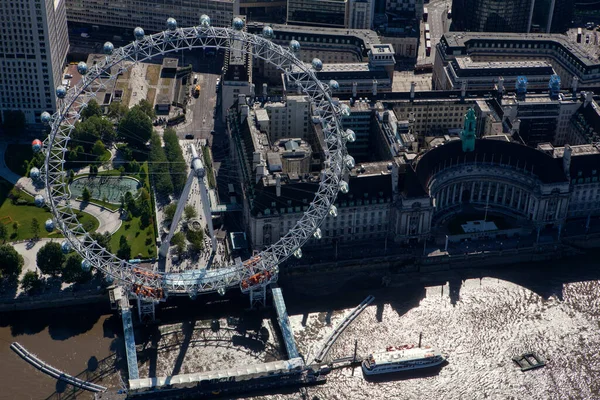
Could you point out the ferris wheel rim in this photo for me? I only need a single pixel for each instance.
(166, 42)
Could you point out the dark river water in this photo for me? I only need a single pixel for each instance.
(480, 319)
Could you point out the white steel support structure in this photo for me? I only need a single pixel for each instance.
(252, 274)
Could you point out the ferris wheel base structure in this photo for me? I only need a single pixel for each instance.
(251, 276)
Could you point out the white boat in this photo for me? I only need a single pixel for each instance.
(401, 358)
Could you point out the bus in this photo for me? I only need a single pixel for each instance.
(428, 48)
(426, 27)
(579, 33)
(449, 13)
(425, 14)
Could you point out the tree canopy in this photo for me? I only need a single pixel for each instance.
(72, 271)
(50, 259)
(92, 109)
(11, 262)
(147, 108)
(31, 282)
(135, 127)
(177, 164)
(159, 167)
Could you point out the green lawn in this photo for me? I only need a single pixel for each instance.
(15, 157)
(141, 240)
(24, 214)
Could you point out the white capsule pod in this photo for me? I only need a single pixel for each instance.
(238, 24)
(39, 200)
(344, 187)
(298, 253)
(204, 21)
(65, 246)
(317, 64)
(61, 92)
(139, 33)
(267, 32)
(86, 265)
(294, 46)
(334, 85)
(49, 225)
(345, 110)
(171, 24)
(349, 161)
(221, 291)
(108, 48)
(333, 211)
(317, 233)
(45, 117)
(34, 173)
(350, 136)
(82, 68)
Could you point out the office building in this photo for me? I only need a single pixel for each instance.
(405, 8)
(33, 50)
(485, 74)
(512, 15)
(361, 14)
(568, 59)
(331, 13)
(330, 45)
(150, 15)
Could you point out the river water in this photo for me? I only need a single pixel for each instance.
(480, 319)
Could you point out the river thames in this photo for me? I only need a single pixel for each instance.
(480, 319)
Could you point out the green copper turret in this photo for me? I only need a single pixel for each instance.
(467, 135)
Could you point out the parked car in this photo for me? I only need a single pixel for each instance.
(189, 136)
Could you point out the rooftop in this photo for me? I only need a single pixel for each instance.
(368, 37)
(498, 152)
(462, 39)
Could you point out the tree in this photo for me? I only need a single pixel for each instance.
(135, 128)
(159, 167)
(124, 251)
(103, 239)
(177, 164)
(86, 195)
(196, 239)
(72, 271)
(50, 259)
(11, 262)
(14, 122)
(31, 282)
(147, 108)
(190, 212)
(178, 240)
(92, 109)
(3, 232)
(169, 211)
(35, 228)
(117, 110)
(16, 228)
(99, 148)
(92, 129)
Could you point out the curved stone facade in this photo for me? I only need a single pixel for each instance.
(511, 179)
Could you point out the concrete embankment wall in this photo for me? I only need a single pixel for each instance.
(52, 301)
(410, 265)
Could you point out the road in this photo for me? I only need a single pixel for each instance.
(438, 25)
